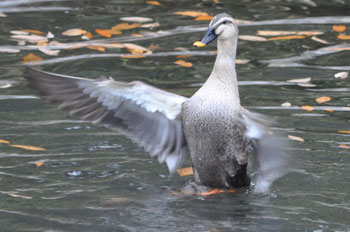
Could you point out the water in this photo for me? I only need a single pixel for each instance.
(93, 179)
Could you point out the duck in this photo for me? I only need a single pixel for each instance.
(211, 126)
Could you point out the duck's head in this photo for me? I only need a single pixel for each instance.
(222, 26)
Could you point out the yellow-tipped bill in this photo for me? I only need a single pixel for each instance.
(199, 44)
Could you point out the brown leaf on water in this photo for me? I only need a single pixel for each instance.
(204, 18)
(295, 138)
(4, 141)
(308, 108)
(300, 80)
(47, 51)
(185, 171)
(136, 35)
(183, 56)
(323, 99)
(280, 33)
(329, 110)
(34, 31)
(104, 33)
(344, 131)
(154, 47)
(156, 3)
(183, 63)
(26, 147)
(87, 36)
(252, 38)
(39, 163)
(30, 38)
(74, 32)
(344, 146)
(133, 56)
(343, 37)
(136, 49)
(211, 192)
(20, 196)
(98, 48)
(31, 58)
(190, 13)
(289, 37)
(124, 26)
(339, 28)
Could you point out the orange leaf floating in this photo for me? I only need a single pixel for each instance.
(31, 148)
(295, 138)
(34, 31)
(329, 110)
(39, 163)
(321, 100)
(344, 146)
(212, 192)
(89, 35)
(104, 33)
(31, 58)
(98, 48)
(136, 35)
(339, 28)
(4, 141)
(190, 13)
(185, 171)
(124, 26)
(204, 18)
(133, 56)
(183, 56)
(344, 132)
(287, 37)
(308, 108)
(183, 63)
(74, 32)
(343, 37)
(156, 3)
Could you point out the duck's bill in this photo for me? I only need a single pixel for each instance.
(209, 36)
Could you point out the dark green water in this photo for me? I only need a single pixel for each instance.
(96, 180)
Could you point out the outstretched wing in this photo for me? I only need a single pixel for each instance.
(270, 148)
(149, 116)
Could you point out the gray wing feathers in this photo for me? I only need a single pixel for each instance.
(147, 115)
(270, 147)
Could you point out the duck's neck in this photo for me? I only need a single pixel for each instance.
(224, 68)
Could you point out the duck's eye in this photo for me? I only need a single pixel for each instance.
(224, 22)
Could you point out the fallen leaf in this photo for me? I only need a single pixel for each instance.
(48, 51)
(104, 33)
(124, 26)
(300, 80)
(39, 163)
(288, 37)
(252, 38)
(279, 33)
(149, 25)
(308, 108)
(5, 86)
(190, 13)
(31, 148)
(136, 35)
(344, 131)
(204, 18)
(343, 37)
(156, 3)
(9, 50)
(286, 104)
(42, 43)
(339, 28)
(314, 38)
(15, 32)
(74, 32)
(341, 75)
(19, 196)
(241, 61)
(329, 110)
(87, 36)
(185, 171)
(133, 56)
(183, 63)
(295, 138)
(3, 15)
(4, 141)
(135, 49)
(30, 38)
(136, 19)
(154, 47)
(33, 31)
(98, 48)
(212, 192)
(344, 146)
(324, 99)
(183, 56)
(31, 58)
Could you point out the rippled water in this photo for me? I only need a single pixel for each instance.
(93, 179)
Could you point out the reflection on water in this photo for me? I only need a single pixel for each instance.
(92, 179)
